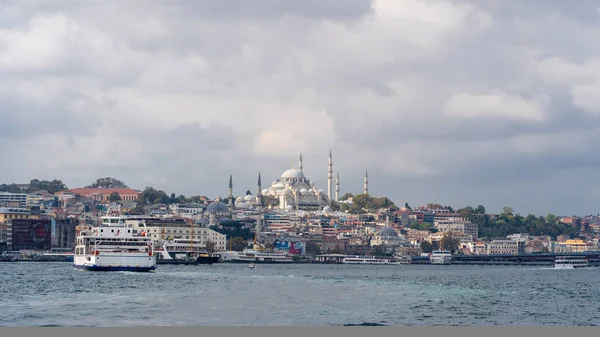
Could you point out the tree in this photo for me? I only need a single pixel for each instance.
(449, 243)
(107, 182)
(551, 218)
(480, 209)
(114, 196)
(312, 248)
(407, 206)
(379, 250)
(347, 196)
(426, 246)
(210, 246)
(507, 210)
(237, 244)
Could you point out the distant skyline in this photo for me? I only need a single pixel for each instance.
(457, 102)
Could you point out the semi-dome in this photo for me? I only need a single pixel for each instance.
(279, 185)
(239, 199)
(293, 173)
(249, 198)
(265, 191)
(216, 206)
(203, 221)
(388, 231)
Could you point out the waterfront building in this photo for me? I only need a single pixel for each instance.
(575, 246)
(505, 247)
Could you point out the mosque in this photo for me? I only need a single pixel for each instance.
(293, 191)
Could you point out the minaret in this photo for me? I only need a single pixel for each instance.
(330, 178)
(259, 193)
(259, 208)
(300, 163)
(337, 186)
(366, 186)
(230, 205)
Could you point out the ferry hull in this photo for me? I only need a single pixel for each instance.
(115, 268)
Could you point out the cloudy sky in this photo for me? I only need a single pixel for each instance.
(493, 102)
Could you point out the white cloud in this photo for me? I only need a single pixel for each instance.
(172, 93)
(496, 105)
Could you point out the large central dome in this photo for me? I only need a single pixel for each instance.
(293, 173)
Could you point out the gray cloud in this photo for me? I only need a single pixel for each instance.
(457, 102)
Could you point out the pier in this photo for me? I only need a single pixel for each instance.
(546, 259)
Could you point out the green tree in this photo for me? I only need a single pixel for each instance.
(426, 246)
(312, 248)
(237, 244)
(107, 182)
(114, 196)
(507, 210)
(407, 206)
(449, 243)
(480, 209)
(551, 218)
(347, 196)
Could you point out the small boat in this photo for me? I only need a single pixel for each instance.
(251, 265)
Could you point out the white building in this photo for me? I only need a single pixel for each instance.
(457, 225)
(165, 230)
(504, 247)
(7, 198)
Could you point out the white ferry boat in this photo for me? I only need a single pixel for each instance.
(440, 257)
(183, 251)
(570, 262)
(114, 246)
(257, 254)
(368, 260)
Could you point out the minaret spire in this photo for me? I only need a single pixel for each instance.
(366, 185)
(337, 186)
(300, 163)
(230, 206)
(330, 177)
(259, 193)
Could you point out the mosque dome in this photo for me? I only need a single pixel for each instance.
(203, 221)
(249, 197)
(216, 206)
(239, 199)
(278, 185)
(293, 173)
(265, 191)
(388, 231)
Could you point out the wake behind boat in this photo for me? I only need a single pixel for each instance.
(114, 246)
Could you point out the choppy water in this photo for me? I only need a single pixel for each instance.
(55, 294)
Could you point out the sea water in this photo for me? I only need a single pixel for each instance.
(55, 294)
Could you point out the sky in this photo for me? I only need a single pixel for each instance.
(466, 102)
